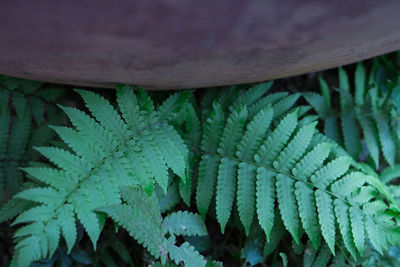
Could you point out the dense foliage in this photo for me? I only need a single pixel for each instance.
(241, 175)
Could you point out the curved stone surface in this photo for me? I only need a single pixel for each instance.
(187, 44)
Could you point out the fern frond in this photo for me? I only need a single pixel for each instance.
(367, 115)
(307, 206)
(371, 137)
(359, 83)
(187, 254)
(351, 135)
(226, 187)
(386, 139)
(357, 228)
(13, 207)
(288, 205)
(255, 132)
(168, 200)
(208, 166)
(343, 219)
(251, 95)
(246, 194)
(326, 217)
(265, 199)
(124, 155)
(285, 104)
(232, 132)
(304, 175)
(277, 140)
(142, 218)
(388, 174)
(27, 128)
(184, 223)
(269, 99)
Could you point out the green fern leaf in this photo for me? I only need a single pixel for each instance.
(38, 110)
(386, 139)
(208, 165)
(277, 233)
(343, 80)
(288, 205)
(373, 233)
(342, 215)
(232, 132)
(208, 168)
(141, 218)
(325, 91)
(295, 149)
(365, 194)
(123, 156)
(359, 81)
(309, 254)
(213, 128)
(265, 199)
(130, 109)
(251, 95)
(14, 178)
(28, 250)
(155, 161)
(185, 190)
(246, 194)
(296, 161)
(284, 105)
(66, 221)
(105, 114)
(331, 129)
(323, 257)
(255, 132)
(20, 103)
(327, 174)
(38, 213)
(47, 195)
(89, 219)
(311, 161)
(307, 208)
(326, 217)
(226, 187)
(172, 106)
(53, 235)
(265, 102)
(390, 173)
(371, 137)
(88, 127)
(174, 150)
(4, 129)
(83, 149)
(58, 179)
(351, 134)
(186, 254)
(184, 223)
(13, 207)
(277, 140)
(64, 159)
(168, 200)
(357, 228)
(18, 139)
(348, 184)
(318, 103)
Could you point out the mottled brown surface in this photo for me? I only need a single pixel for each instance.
(188, 44)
